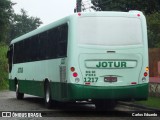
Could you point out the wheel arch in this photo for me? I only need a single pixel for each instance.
(46, 80)
(15, 80)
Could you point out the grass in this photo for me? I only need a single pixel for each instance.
(3, 67)
(153, 102)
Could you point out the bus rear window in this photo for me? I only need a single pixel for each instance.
(110, 31)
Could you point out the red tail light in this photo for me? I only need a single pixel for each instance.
(75, 74)
(145, 74)
(72, 69)
(79, 14)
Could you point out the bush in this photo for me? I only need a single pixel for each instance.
(153, 24)
(3, 67)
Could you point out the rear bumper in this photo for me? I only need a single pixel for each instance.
(82, 92)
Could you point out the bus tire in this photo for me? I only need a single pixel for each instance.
(48, 101)
(19, 95)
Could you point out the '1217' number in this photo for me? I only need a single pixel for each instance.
(90, 79)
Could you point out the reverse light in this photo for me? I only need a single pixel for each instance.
(77, 80)
(143, 79)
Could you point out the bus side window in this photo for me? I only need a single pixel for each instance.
(62, 40)
(42, 45)
(51, 47)
(34, 49)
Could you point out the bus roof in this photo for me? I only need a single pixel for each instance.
(83, 14)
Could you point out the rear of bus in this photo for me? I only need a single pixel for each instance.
(108, 56)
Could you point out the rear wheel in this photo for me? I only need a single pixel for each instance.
(48, 101)
(19, 95)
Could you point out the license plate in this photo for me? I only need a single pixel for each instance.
(110, 79)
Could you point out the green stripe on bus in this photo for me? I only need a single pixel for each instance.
(73, 92)
(137, 92)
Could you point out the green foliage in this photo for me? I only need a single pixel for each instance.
(147, 6)
(13, 25)
(21, 24)
(3, 67)
(5, 14)
(153, 24)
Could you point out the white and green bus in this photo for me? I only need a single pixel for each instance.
(100, 56)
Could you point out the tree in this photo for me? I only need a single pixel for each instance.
(5, 15)
(21, 24)
(153, 24)
(147, 6)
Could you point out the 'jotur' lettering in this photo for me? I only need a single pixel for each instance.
(111, 64)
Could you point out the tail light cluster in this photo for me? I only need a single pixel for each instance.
(145, 74)
(74, 74)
